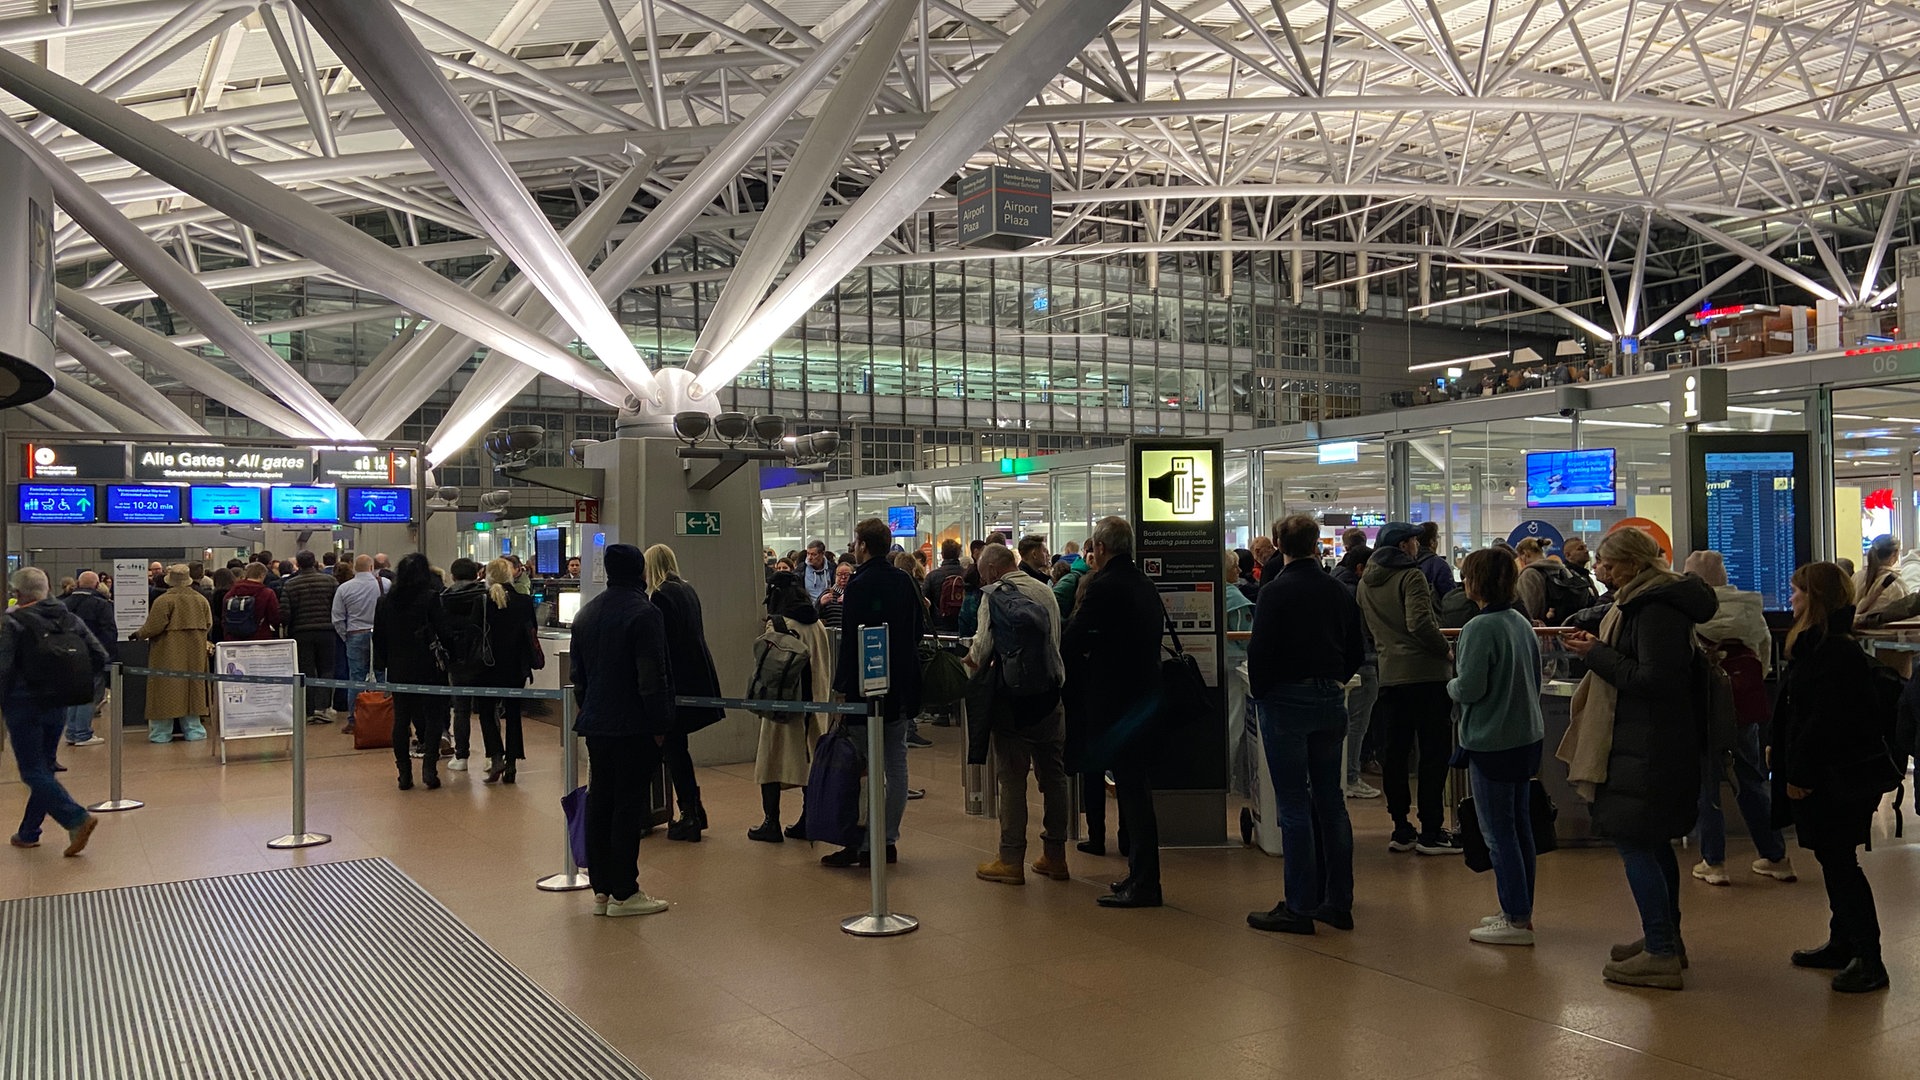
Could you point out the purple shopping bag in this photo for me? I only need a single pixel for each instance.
(574, 805)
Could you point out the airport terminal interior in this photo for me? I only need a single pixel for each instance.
(332, 297)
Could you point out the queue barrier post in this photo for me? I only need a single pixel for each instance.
(569, 879)
(116, 703)
(299, 837)
(878, 921)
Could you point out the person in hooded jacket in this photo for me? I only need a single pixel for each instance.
(1646, 791)
(408, 622)
(784, 756)
(784, 592)
(1433, 564)
(1415, 661)
(1830, 768)
(693, 676)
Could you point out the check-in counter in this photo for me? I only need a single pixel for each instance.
(1574, 825)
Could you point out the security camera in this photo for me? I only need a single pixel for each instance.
(524, 439)
(769, 428)
(577, 450)
(495, 502)
(732, 426)
(691, 426)
(1569, 413)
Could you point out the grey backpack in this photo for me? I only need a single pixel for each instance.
(1022, 643)
(782, 669)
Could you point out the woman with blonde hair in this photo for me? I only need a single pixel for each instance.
(1878, 583)
(693, 676)
(1831, 765)
(515, 645)
(1634, 743)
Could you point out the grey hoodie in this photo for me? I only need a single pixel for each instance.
(1397, 601)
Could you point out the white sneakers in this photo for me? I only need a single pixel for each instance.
(1497, 930)
(458, 764)
(1781, 870)
(637, 904)
(1360, 789)
(1712, 873)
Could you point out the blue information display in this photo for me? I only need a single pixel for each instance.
(376, 506)
(903, 520)
(57, 504)
(134, 504)
(224, 505)
(1750, 516)
(548, 552)
(1570, 478)
(303, 505)
(876, 671)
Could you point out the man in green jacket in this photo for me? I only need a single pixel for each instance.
(1397, 601)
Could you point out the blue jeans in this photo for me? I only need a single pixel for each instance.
(1360, 716)
(1304, 727)
(1653, 873)
(34, 731)
(1505, 810)
(80, 717)
(1754, 796)
(893, 740)
(359, 662)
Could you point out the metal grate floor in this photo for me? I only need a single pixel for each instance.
(336, 971)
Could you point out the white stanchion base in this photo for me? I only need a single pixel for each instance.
(299, 840)
(112, 805)
(563, 883)
(879, 925)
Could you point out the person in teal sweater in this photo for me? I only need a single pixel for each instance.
(1497, 683)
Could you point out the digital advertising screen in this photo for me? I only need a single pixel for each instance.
(1570, 478)
(224, 505)
(548, 552)
(303, 505)
(903, 520)
(1749, 502)
(140, 504)
(379, 506)
(57, 504)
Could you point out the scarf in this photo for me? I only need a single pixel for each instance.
(1589, 739)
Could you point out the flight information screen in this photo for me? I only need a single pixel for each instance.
(1752, 506)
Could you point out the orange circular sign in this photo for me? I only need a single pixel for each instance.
(1651, 528)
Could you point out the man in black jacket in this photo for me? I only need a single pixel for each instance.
(34, 716)
(881, 594)
(306, 603)
(95, 610)
(623, 682)
(1112, 652)
(1297, 668)
(946, 617)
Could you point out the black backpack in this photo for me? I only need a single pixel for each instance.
(1565, 593)
(239, 620)
(469, 646)
(53, 661)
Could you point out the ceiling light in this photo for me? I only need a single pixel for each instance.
(1460, 361)
(1357, 278)
(1487, 295)
(1544, 268)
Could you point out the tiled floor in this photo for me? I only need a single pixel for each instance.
(749, 975)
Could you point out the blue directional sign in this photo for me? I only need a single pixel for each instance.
(374, 506)
(876, 670)
(57, 504)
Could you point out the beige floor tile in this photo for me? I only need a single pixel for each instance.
(974, 1053)
(870, 1022)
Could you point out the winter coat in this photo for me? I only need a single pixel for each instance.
(1822, 723)
(266, 609)
(306, 600)
(936, 578)
(405, 624)
(177, 624)
(1740, 618)
(622, 675)
(96, 611)
(511, 631)
(883, 594)
(785, 753)
(1111, 647)
(1398, 604)
(1438, 573)
(46, 616)
(1652, 790)
(693, 670)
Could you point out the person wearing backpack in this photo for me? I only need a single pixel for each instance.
(784, 757)
(251, 610)
(95, 609)
(48, 661)
(1738, 637)
(947, 587)
(1831, 765)
(1019, 638)
(177, 624)
(464, 601)
(1635, 740)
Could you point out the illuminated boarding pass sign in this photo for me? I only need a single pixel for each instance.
(222, 463)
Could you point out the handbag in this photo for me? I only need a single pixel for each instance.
(1185, 696)
(372, 720)
(574, 805)
(943, 678)
(539, 661)
(1541, 814)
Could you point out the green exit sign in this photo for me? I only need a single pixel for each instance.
(1018, 466)
(699, 523)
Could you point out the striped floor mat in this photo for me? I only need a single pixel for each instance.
(253, 976)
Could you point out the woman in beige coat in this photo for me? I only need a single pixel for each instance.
(785, 756)
(177, 624)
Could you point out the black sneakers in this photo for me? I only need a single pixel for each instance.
(1437, 843)
(1404, 838)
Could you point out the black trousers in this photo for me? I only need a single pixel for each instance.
(462, 726)
(1093, 803)
(1855, 924)
(621, 768)
(1416, 713)
(425, 717)
(315, 649)
(1133, 791)
(686, 787)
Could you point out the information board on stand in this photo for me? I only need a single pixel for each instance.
(129, 596)
(257, 710)
(1176, 503)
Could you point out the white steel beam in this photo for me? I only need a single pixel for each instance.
(136, 391)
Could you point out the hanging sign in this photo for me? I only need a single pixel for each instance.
(228, 463)
(1006, 208)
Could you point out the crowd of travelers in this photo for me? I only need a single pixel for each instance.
(1403, 663)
